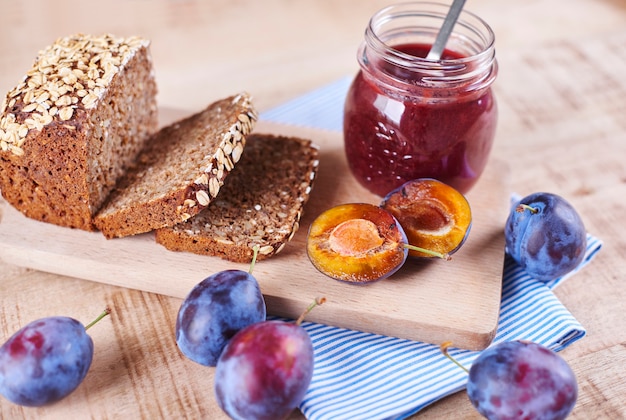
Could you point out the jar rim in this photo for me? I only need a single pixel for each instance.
(434, 10)
(476, 66)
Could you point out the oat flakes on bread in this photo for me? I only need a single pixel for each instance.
(260, 203)
(73, 124)
(180, 171)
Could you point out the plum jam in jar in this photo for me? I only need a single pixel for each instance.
(409, 117)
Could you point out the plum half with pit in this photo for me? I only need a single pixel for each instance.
(434, 215)
(356, 242)
(545, 235)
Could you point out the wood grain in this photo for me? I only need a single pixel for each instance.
(561, 93)
(135, 355)
(415, 303)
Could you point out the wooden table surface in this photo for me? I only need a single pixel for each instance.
(562, 97)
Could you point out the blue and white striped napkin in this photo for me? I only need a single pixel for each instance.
(366, 376)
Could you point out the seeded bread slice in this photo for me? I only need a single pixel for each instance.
(72, 126)
(180, 171)
(260, 203)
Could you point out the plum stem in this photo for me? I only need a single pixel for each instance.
(443, 256)
(316, 302)
(521, 207)
(255, 250)
(444, 349)
(102, 315)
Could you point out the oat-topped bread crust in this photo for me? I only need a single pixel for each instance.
(260, 203)
(74, 123)
(180, 171)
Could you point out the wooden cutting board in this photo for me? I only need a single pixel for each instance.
(430, 301)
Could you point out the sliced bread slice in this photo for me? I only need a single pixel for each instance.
(180, 171)
(260, 203)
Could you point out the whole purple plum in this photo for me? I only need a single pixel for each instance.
(522, 380)
(44, 361)
(264, 371)
(214, 310)
(545, 235)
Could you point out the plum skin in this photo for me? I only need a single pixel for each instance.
(264, 371)
(214, 311)
(549, 243)
(45, 361)
(522, 380)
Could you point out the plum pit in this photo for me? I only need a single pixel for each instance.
(355, 237)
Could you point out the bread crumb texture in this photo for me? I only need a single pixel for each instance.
(73, 124)
(260, 203)
(181, 170)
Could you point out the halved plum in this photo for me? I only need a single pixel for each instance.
(434, 215)
(356, 242)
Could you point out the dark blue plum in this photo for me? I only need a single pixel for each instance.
(522, 380)
(546, 236)
(44, 361)
(264, 371)
(215, 309)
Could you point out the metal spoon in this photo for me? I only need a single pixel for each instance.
(444, 33)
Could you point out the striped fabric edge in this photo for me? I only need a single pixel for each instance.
(367, 376)
(321, 108)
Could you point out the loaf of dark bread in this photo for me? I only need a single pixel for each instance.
(74, 124)
(260, 203)
(180, 171)
(79, 147)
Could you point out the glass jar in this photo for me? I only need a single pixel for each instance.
(409, 117)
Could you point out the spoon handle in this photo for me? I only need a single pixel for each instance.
(444, 33)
